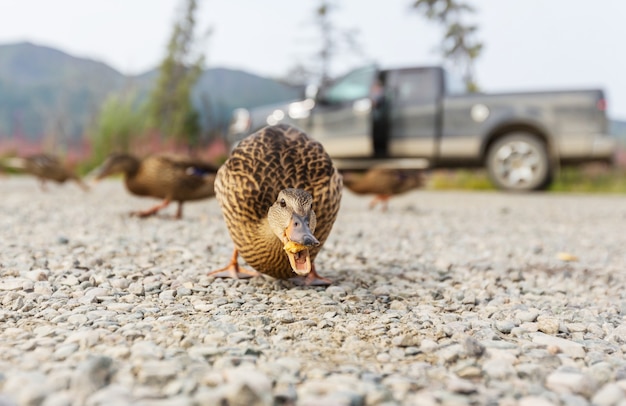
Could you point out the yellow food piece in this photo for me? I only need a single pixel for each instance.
(294, 247)
(566, 257)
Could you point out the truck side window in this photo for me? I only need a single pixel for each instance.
(355, 85)
(417, 86)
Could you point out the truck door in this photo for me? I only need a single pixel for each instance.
(341, 119)
(414, 111)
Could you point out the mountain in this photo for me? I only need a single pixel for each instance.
(46, 91)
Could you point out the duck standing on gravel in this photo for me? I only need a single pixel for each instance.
(165, 176)
(383, 183)
(279, 193)
(44, 167)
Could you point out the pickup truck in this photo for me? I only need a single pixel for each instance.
(423, 118)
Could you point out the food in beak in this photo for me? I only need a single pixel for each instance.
(299, 257)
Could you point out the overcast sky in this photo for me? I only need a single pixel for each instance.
(529, 44)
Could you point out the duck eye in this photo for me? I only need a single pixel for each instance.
(283, 203)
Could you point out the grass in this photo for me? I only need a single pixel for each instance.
(581, 179)
(591, 179)
(464, 179)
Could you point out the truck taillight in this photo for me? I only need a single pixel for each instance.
(601, 105)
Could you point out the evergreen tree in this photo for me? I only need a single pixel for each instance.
(170, 104)
(458, 44)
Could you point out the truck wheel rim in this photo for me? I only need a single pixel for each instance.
(518, 164)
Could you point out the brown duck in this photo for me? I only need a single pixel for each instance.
(44, 167)
(383, 183)
(167, 177)
(279, 193)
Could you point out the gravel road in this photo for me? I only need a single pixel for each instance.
(448, 298)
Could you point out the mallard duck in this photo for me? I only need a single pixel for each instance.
(167, 177)
(279, 193)
(44, 167)
(383, 183)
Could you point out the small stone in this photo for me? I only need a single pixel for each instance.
(157, 372)
(70, 280)
(284, 316)
(247, 386)
(406, 340)
(398, 305)
(120, 283)
(469, 298)
(499, 369)
(77, 319)
(336, 291)
(42, 288)
(26, 388)
(37, 275)
(535, 401)
(571, 348)
(473, 348)
(428, 345)
(462, 386)
(167, 295)
(548, 325)
(183, 291)
(383, 357)
(136, 288)
(96, 292)
(64, 351)
(469, 372)
(12, 284)
(618, 335)
(570, 382)
(504, 326)
(527, 316)
(609, 395)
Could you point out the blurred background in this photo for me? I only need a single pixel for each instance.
(81, 79)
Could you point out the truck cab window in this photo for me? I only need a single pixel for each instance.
(355, 85)
(454, 84)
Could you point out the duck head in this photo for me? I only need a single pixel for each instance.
(293, 221)
(116, 163)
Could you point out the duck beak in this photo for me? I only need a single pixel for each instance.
(97, 174)
(298, 239)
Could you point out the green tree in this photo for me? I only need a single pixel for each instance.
(458, 44)
(120, 121)
(170, 104)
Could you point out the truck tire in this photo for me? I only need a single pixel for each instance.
(519, 162)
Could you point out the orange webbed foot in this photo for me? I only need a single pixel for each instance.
(151, 211)
(311, 279)
(233, 270)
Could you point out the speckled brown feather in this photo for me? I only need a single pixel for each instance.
(384, 181)
(47, 167)
(164, 176)
(272, 159)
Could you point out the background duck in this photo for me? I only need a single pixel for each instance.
(279, 193)
(44, 167)
(383, 183)
(165, 176)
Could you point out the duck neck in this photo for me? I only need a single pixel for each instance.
(130, 166)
